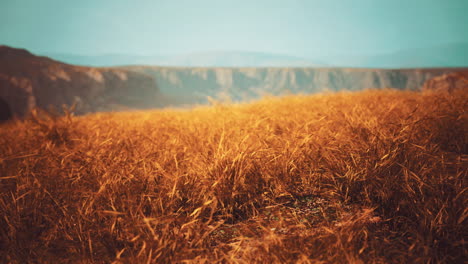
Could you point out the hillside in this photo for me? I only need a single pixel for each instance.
(364, 177)
(28, 81)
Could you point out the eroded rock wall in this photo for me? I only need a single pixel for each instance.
(250, 83)
(28, 81)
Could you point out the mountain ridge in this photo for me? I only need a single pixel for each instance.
(439, 56)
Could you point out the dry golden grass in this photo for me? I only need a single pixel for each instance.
(366, 177)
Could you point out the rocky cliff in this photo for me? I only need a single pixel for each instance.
(247, 83)
(28, 81)
(448, 82)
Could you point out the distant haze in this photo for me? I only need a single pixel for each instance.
(201, 59)
(296, 33)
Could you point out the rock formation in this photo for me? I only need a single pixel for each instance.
(448, 82)
(28, 81)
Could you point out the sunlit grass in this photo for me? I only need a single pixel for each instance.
(366, 177)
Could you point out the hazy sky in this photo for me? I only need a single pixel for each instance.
(295, 27)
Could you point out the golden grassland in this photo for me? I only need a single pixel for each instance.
(365, 177)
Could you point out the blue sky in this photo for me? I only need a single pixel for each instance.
(295, 27)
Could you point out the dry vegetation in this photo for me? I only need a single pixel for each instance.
(367, 177)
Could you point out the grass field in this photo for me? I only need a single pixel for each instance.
(365, 177)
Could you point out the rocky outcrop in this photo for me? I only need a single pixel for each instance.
(28, 81)
(448, 82)
(250, 83)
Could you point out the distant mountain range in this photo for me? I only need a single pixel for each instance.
(202, 59)
(239, 59)
(441, 56)
(447, 55)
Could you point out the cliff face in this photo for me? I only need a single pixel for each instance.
(28, 81)
(448, 82)
(247, 83)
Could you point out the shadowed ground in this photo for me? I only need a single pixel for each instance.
(5, 111)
